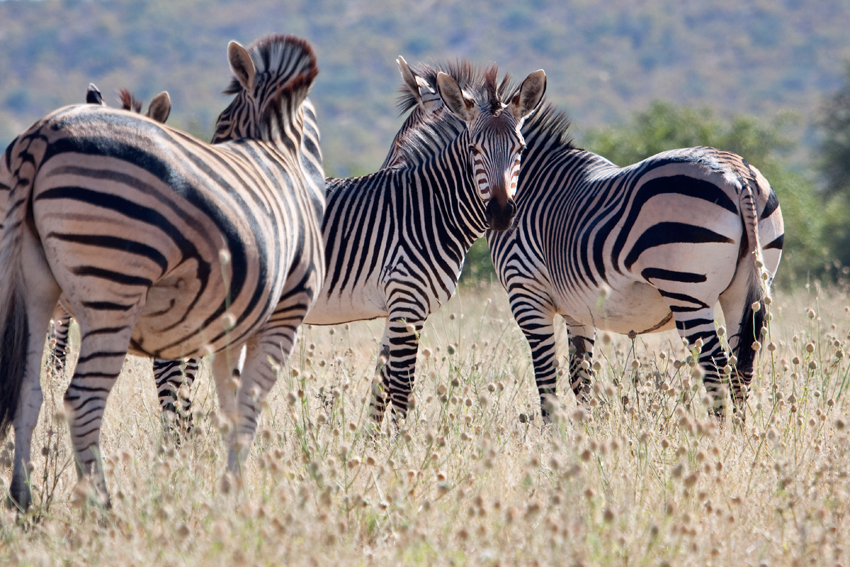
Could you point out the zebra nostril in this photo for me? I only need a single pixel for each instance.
(500, 217)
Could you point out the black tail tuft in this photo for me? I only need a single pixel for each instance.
(752, 323)
(14, 337)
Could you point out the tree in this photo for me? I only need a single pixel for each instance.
(834, 158)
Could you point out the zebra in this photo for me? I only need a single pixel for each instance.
(376, 268)
(638, 249)
(170, 375)
(395, 240)
(225, 249)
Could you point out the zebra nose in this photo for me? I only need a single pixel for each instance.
(500, 217)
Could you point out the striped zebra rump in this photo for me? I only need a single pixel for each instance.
(395, 240)
(639, 249)
(159, 110)
(170, 376)
(162, 245)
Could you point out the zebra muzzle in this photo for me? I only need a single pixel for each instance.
(500, 217)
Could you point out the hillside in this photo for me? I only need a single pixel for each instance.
(604, 60)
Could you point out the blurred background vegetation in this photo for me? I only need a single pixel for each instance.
(766, 79)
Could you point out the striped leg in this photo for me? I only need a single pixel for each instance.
(744, 328)
(104, 341)
(397, 364)
(59, 331)
(581, 350)
(171, 376)
(265, 354)
(225, 371)
(699, 325)
(535, 317)
(378, 403)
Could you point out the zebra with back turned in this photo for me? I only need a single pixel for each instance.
(395, 240)
(170, 375)
(186, 248)
(643, 248)
(174, 378)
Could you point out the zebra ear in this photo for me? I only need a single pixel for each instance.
(424, 94)
(529, 96)
(408, 77)
(241, 65)
(455, 100)
(93, 95)
(160, 107)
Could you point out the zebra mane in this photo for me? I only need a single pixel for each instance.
(129, 102)
(282, 59)
(552, 123)
(430, 137)
(492, 94)
(482, 85)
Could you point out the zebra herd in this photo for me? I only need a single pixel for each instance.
(165, 246)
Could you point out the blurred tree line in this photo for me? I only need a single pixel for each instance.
(815, 200)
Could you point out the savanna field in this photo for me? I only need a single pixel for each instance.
(472, 477)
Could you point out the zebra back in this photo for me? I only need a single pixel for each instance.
(186, 248)
(638, 249)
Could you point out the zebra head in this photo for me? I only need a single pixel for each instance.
(271, 79)
(495, 141)
(159, 110)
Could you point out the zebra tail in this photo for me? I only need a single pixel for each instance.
(755, 311)
(14, 325)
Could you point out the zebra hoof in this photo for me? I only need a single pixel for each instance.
(20, 496)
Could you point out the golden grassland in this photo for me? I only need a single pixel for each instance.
(472, 477)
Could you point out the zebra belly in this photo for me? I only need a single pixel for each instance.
(635, 306)
(347, 307)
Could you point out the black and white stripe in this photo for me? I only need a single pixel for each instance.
(163, 246)
(170, 376)
(643, 248)
(395, 240)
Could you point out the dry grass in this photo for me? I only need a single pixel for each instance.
(473, 477)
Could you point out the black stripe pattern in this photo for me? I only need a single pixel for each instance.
(639, 249)
(395, 240)
(223, 244)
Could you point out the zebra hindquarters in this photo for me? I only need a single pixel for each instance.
(174, 379)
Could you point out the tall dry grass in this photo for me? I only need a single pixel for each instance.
(472, 477)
